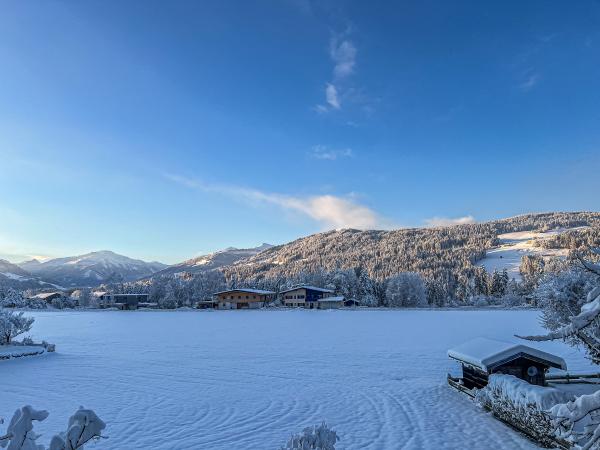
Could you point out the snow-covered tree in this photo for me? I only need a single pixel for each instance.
(320, 437)
(13, 324)
(12, 298)
(169, 301)
(579, 420)
(406, 289)
(85, 297)
(84, 426)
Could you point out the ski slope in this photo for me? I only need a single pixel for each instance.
(513, 246)
(223, 380)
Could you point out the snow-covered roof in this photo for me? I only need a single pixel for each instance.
(252, 291)
(487, 353)
(331, 299)
(307, 286)
(45, 295)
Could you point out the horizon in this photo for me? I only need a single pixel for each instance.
(178, 130)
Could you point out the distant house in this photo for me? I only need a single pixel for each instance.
(123, 301)
(242, 298)
(330, 302)
(305, 296)
(47, 296)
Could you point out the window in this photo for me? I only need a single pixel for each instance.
(247, 297)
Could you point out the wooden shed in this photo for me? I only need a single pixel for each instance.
(482, 357)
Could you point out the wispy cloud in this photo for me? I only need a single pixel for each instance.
(330, 211)
(530, 82)
(342, 52)
(448, 221)
(331, 95)
(331, 154)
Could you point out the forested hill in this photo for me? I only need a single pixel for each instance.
(448, 252)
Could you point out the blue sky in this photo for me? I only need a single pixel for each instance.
(164, 130)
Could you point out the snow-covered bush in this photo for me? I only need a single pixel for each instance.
(406, 289)
(320, 437)
(63, 303)
(13, 324)
(479, 301)
(12, 299)
(35, 303)
(522, 404)
(512, 300)
(84, 426)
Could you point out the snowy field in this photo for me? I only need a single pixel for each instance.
(513, 246)
(244, 380)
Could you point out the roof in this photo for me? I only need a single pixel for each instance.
(488, 353)
(45, 295)
(331, 299)
(252, 291)
(128, 295)
(307, 286)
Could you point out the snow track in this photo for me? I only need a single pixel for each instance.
(248, 379)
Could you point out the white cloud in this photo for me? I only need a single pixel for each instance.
(331, 95)
(324, 152)
(343, 55)
(530, 82)
(448, 221)
(332, 212)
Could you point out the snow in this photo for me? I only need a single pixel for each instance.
(485, 353)
(522, 393)
(252, 291)
(513, 246)
(307, 286)
(225, 380)
(13, 276)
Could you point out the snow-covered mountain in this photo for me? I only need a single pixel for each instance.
(91, 269)
(214, 260)
(12, 271)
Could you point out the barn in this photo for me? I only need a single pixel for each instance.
(482, 357)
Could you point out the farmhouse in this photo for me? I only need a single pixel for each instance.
(47, 296)
(123, 301)
(307, 296)
(482, 357)
(242, 298)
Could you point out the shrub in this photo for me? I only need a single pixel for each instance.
(313, 438)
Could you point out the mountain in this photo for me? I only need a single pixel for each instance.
(214, 260)
(13, 271)
(12, 275)
(31, 264)
(450, 253)
(91, 269)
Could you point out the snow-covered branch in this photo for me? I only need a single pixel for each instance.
(313, 438)
(84, 426)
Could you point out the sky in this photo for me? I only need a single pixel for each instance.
(166, 130)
